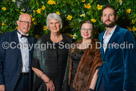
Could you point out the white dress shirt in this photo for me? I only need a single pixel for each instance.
(24, 52)
(107, 37)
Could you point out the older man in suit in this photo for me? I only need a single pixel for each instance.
(15, 57)
(118, 51)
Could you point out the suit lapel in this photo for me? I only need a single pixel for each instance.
(30, 49)
(16, 40)
(112, 38)
(101, 40)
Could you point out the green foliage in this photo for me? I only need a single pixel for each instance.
(79, 10)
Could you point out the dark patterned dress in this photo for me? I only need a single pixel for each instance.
(75, 56)
(51, 58)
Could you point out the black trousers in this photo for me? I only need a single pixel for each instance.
(23, 83)
(101, 86)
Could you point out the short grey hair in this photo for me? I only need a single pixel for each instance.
(55, 17)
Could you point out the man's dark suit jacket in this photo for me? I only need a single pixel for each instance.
(119, 63)
(10, 59)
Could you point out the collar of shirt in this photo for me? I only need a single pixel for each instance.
(24, 52)
(20, 34)
(22, 39)
(110, 32)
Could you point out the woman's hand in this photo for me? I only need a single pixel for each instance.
(49, 83)
(50, 86)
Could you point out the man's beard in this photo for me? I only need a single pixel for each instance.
(112, 24)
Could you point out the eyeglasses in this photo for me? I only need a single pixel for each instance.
(25, 22)
(84, 29)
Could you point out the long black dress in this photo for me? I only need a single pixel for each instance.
(51, 58)
(76, 57)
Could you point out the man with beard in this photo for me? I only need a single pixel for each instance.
(15, 57)
(118, 72)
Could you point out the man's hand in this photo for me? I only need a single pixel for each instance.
(2, 87)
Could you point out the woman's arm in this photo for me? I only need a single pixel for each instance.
(49, 83)
(94, 80)
(41, 75)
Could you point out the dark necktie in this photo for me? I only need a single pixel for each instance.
(25, 36)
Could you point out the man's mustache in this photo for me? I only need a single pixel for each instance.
(108, 20)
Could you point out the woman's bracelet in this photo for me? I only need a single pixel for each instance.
(41, 75)
(48, 81)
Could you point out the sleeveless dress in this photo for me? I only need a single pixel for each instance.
(75, 56)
